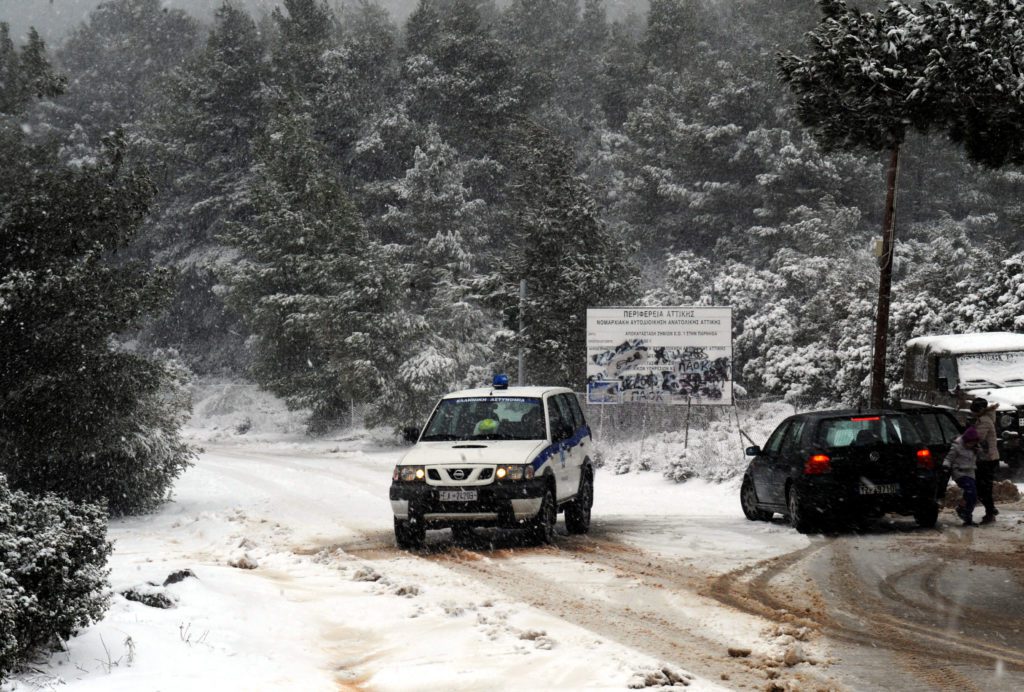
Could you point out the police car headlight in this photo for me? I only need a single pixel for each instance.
(409, 474)
(1007, 420)
(514, 472)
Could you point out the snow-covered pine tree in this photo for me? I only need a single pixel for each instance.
(675, 32)
(624, 72)
(81, 415)
(316, 293)
(25, 73)
(561, 54)
(114, 60)
(570, 259)
(434, 223)
(363, 73)
(976, 76)
(305, 31)
(460, 76)
(200, 139)
(590, 44)
(540, 33)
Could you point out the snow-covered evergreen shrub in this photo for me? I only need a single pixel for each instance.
(53, 575)
(679, 468)
(712, 450)
(81, 415)
(711, 453)
(9, 592)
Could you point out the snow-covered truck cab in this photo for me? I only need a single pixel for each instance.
(951, 370)
(512, 457)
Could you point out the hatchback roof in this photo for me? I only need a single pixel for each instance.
(851, 413)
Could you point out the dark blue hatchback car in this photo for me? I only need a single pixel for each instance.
(824, 466)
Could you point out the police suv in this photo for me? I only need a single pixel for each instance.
(512, 457)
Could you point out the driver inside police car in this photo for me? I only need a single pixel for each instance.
(487, 419)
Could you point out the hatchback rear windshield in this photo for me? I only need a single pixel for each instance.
(487, 418)
(867, 430)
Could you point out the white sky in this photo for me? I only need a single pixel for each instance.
(54, 19)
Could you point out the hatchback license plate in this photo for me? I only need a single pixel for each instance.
(880, 489)
(457, 495)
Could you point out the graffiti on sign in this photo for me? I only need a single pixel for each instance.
(663, 355)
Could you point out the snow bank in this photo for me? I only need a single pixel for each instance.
(224, 409)
(713, 449)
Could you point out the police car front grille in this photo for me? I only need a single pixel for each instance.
(433, 475)
(485, 474)
(460, 474)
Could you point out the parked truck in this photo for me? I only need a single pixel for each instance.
(951, 370)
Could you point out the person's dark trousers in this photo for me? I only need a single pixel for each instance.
(970, 496)
(985, 474)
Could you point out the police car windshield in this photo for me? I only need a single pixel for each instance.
(487, 418)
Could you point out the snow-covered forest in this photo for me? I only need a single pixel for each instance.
(347, 204)
(340, 205)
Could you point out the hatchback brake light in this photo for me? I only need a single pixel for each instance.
(818, 463)
(924, 459)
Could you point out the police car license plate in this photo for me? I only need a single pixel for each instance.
(457, 495)
(880, 489)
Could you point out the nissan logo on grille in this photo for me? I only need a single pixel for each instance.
(458, 474)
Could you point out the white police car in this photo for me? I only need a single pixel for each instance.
(499, 456)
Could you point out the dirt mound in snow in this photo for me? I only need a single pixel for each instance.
(1003, 492)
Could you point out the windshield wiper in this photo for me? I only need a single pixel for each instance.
(439, 438)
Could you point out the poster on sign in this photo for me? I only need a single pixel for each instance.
(669, 355)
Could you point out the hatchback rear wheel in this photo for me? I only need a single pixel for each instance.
(748, 501)
(799, 514)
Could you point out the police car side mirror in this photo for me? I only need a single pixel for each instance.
(411, 434)
(753, 451)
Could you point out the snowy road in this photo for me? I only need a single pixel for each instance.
(672, 583)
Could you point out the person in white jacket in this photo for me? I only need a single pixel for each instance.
(988, 455)
(962, 461)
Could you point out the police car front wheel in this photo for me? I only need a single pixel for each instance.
(409, 535)
(577, 513)
(544, 524)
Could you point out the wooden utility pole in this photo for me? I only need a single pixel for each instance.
(885, 281)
